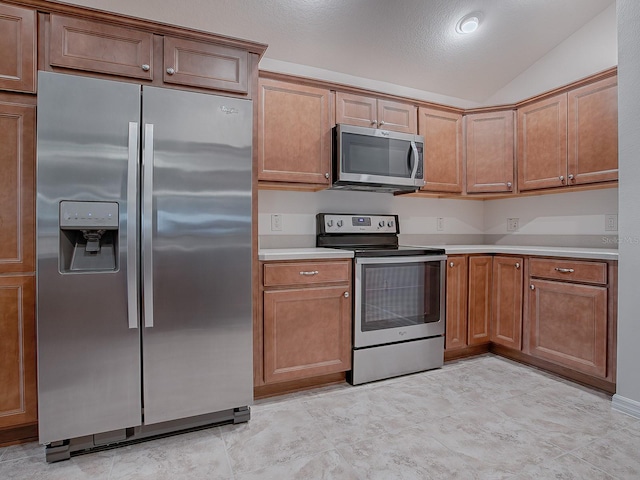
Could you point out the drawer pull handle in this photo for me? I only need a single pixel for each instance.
(312, 272)
(564, 270)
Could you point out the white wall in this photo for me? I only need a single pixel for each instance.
(591, 49)
(628, 385)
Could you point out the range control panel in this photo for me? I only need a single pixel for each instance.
(343, 223)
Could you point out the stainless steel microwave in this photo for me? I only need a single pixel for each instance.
(377, 160)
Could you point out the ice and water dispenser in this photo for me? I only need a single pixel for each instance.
(88, 236)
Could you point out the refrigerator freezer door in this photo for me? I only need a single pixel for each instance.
(197, 356)
(88, 356)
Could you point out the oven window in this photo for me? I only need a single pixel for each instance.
(400, 295)
(376, 156)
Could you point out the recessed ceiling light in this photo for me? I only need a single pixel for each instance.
(468, 23)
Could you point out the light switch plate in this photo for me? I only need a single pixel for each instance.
(276, 222)
(440, 224)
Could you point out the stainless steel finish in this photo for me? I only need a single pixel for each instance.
(379, 337)
(508, 184)
(132, 234)
(314, 272)
(564, 270)
(346, 294)
(171, 70)
(532, 287)
(96, 371)
(376, 363)
(145, 67)
(391, 182)
(414, 155)
(88, 357)
(517, 265)
(147, 225)
(198, 357)
(451, 264)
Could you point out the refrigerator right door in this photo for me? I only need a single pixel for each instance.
(196, 254)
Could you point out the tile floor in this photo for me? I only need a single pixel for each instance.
(481, 418)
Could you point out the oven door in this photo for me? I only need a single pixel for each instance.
(398, 298)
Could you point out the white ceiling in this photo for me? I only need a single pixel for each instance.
(411, 43)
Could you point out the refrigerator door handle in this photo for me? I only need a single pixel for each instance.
(147, 224)
(132, 209)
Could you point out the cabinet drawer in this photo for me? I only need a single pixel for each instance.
(577, 271)
(306, 273)
(100, 47)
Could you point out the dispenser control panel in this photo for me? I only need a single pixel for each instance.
(88, 215)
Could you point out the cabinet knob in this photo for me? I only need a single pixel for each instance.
(561, 178)
(374, 122)
(571, 176)
(326, 175)
(171, 71)
(532, 287)
(517, 266)
(346, 294)
(452, 264)
(381, 123)
(145, 67)
(508, 184)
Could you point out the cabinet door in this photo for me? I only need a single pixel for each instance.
(490, 155)
(294, 133)
(442, 132)
(356, 110)
(456, 324)
(18, 401)
(542, 144)
(307, 332)
(479, 300)
(100, 47)
(397, 116)
(17, 186)
(506, 309)
(206, 65)
(17, 49)
(568, 325)
(593, 132)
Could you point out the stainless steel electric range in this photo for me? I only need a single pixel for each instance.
(398, 298)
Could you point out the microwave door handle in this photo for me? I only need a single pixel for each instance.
(413, 153)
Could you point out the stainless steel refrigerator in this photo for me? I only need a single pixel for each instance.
(143, 261)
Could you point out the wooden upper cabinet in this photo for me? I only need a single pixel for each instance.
(100, 47)
(18, 400)
(479, 319)
(490, 152)
(593, 132)
(294, 133)
(370, 112)
(506, 308)
(542, 144)
(206, 65)
(17, 49)
(456, 309)
(17, 186)
(442, 132)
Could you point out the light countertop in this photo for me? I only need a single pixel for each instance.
(271, 254)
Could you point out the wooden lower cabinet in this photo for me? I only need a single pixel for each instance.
(456, 307)
(479, 318)
(506, 309)
(307, 332)
(568, 325)
(18, 398)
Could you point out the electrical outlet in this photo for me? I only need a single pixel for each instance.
(611, 222)
(276, 223)
(512, 224)
(440, 224)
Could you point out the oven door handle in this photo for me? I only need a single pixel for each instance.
(400, 259)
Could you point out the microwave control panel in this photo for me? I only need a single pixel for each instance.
(344, 223)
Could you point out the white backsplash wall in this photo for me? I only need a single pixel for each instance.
(575, 219)
(462, 218)
(565, 219)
